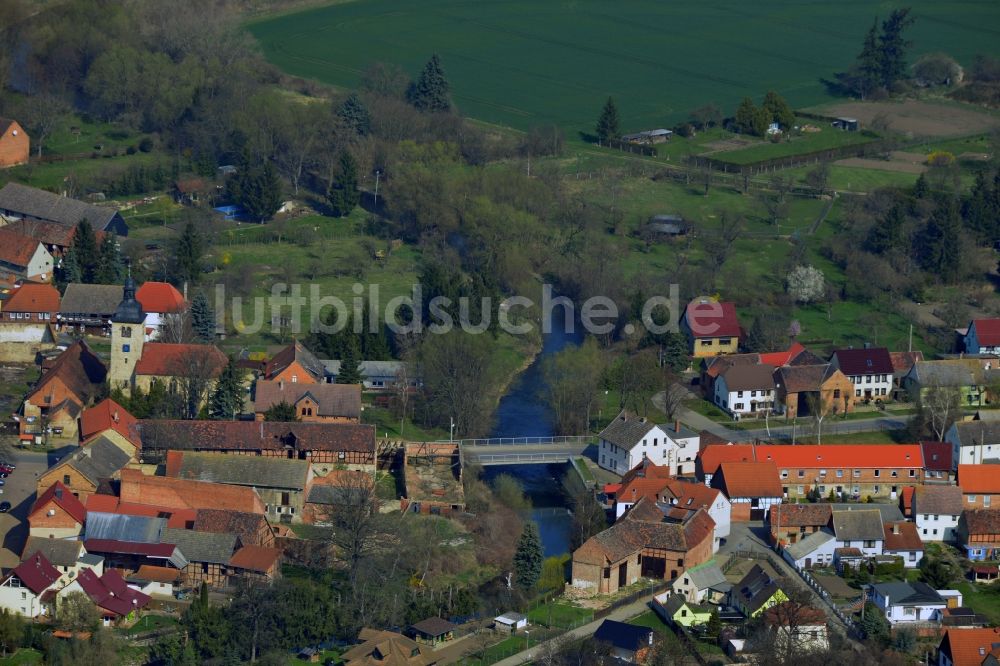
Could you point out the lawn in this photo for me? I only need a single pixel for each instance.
(826, 138)
(388, 426)
(21, 657)
(581, 467)
(983, 599)
(149, 623)
(876, 437)
(652, 620)
(525, 63)
(558, 614)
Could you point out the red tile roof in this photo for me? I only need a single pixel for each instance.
(906, 500)
(290, 354)
(987, 331)
(111, 593)
(690, 496)
(791, 612)
(15, 248)
(843, 455)
(174, 494)
(108, 415)
(979, 479)
(778, 359)
(255, 558)
(969, 647)
(748, 479)
(36, 572)
(712, 319)
(170, 359)
(902, 535)
(64, 499)
(715, 454)
(800, 515)
(31, 297)
(937, 456)
(160, 297)
(871, 361)
(79, 369)
(903, 361)
(155, 574)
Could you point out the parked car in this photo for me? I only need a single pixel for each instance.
(2, 482)
(4, 507)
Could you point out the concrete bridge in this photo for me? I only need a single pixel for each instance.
(523, 450)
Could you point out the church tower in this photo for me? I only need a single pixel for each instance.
(128, 332)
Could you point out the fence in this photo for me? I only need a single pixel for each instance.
(852, 629)
(522, 441)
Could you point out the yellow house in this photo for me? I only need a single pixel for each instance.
(756, 592)
(712, 327)
(675, 609)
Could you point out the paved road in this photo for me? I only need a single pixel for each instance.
(19, 490)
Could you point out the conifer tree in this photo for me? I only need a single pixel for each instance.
(608, 124)
(892, 46)
(921, 189)
(84, 249)
(778, 110)
(202, 318)
(430, 92)
(747, 117)
(345, 196)
(355, 115)
(227, 398)
(110, 269)
(869, 66)
(350, 364)
(188, 253)
(528, 557)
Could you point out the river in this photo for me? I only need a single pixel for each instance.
(522, 413)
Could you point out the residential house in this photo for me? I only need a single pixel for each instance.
(387, 648)
(56, 514)
(756, 592)
(714, 366)
(282, 484)
(23, 259)
(968, 647)
(327, 445)
(902, 540)
(978, 533)
(848, 470)
(790, 523)
(321, 403)
(687, 443)
(676, 610)
(904, 602)
(207, 555)
(630, 438)
(713, 455)
(816, 549)
(902, 363)
(804, 390)
(980, 486)
(88, 308)
(114, 423)
(174, 364)
(629, 643)
(746, 391)
(15, 145)
(55, 402)
(295, 364)
(19, 202)
(974, 442)
(57, 238)
(81, 471)
(378, 376)
(861, 529)
(27, 589)
(936, 510)
(797, 628)
(982, 337)
(155, 581)
(938, 462)
(170, 495)
(160, 301)
(191, 191)
(701, 584)
(643, 543)
(752, 488)
(116, 601)
(68, 556)
(26, 322)
(433, 631)
(969, 376)
(870, 371)
(127, 542)
(712, 326)
(654, 482)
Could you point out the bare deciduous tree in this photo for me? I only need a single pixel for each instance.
(938, 408)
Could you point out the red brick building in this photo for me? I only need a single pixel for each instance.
(15, 146)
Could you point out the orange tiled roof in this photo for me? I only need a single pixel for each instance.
(715, 454)
(969, 647)
(906, 538)
(749, 479)
(161, 491)
(64, 498)
(980, 479)
(31, 297)
(843, 455)
(78, 369)
(15, 248)
(255, 558)
(161, 297)
(165, 359)
(108, 415)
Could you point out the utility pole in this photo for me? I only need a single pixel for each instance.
(909, 345)
(378, 174)
(451, 429)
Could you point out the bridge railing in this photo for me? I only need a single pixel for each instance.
(508, 458)
(527, 441)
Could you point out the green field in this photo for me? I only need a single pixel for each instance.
(529, 62)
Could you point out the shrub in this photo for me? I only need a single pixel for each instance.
(146, 144)
(940, 158)
(130, 150)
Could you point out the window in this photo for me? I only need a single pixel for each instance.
(857, 473)
(798, 489)
(607, 572)
(705, 343)
(680, 563)
(295, 379)
(784, 473)
(971, 498)
(24, 595)
(868, 379)
(738, 406)
(822, 472)
(739, 394)
(126, 349)
(836, 394)
(725, 341)
(822, 490)
(655, 441)
(878, 473)
(126, 331)
(875, 490)
(909, 612)
(684, 612)
(840, 473)
(284, 499)
(66, 481)
(869, 544)
(857, 393)
(913, 473)
(802, 473)
(986, 500)
(894, 474)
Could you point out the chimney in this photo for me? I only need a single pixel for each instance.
(281, 384)
(114, 417)
(895, 528)
(677, 425)
(185, 290)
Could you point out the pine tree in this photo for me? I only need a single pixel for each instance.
(887, 234)
(350, 364)
(345, 196)
(202, 318)
(256, 188)
(283, 412)
(892, 46)
(921, 189)
(608, 124)
(70, 270)
(942, 253)
(746, 117)
(355, 115)
(188, 253)
(778, 110)
(85, 251)
(110, 269)
(227, 398)
(430, 92)
(977, 209)
(528, 557)
(870, 63)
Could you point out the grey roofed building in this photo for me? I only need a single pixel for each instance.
(861, 525)
(809, 544)
(92, 304)
(256, 471)
(625, 430)
(20, 201)
(100, 459)
(749, 377)
(974, 433)
(900, 593)
(939, 500)
(332, 400)
(209, 547)
(709, 577)
(335, 495)
(890, 512)
(60, 552)
(952, 372)
(120, 527)
(375, 374)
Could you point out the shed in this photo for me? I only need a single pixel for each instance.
(510, 622)
(846, 124)
(433, 630)
(669, 225)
